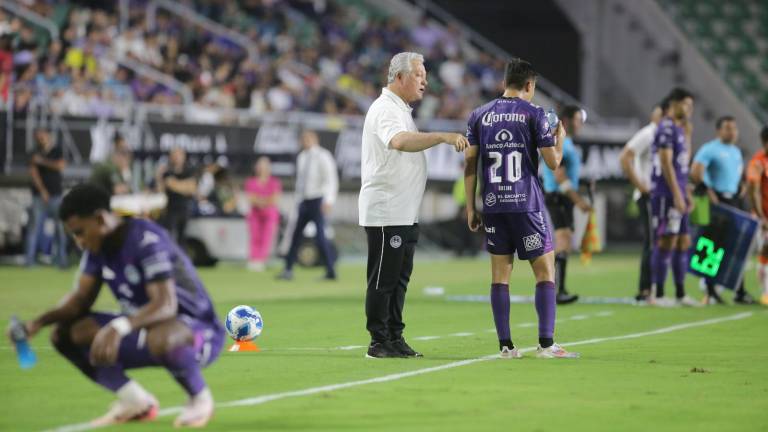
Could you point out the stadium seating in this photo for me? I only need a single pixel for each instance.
(732, 36)
(320, 60)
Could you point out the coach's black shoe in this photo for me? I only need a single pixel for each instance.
(401, 346)
(563, 298)
(744, 298)
(382, 350)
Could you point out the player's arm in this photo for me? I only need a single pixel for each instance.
(331, 177)
(668, 171)
(184, 187)
(698, 169)
(470, 186)
(412, 142)
(73, 305)
(37, 182)
(57, 164)
(162, 306)
(553, 155)
(754, 174)
(570, 190)
(627, 159)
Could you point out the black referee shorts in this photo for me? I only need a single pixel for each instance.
(390, 263)
(560, 209)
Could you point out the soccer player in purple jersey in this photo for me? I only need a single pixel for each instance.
(506, 135)
(670, 197)
(167, 317)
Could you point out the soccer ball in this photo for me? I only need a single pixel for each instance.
(244, 323)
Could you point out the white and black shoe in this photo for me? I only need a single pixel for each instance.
(382, 350)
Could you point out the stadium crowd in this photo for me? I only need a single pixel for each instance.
(311, 56)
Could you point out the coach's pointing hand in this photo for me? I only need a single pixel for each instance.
(458, 141)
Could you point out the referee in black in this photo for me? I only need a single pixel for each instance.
(393, 177)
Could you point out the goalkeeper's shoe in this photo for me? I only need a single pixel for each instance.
(197, 412)
(555, 351)
(123, 411)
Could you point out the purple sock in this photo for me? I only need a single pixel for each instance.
(545, 308)
(659, 264)
(679, 268)
(500, 307)
(183, 365)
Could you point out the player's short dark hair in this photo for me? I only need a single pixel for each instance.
(518, 72)
(569, 111)
(723, 119)
(678, 93)
(83, 200)
(664, 105)
(764, 134)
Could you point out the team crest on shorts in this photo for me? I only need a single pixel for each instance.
(395, 241)
(532, 242)
(490, 199)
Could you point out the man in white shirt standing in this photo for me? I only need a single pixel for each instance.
(637, 165)
(317, 185)
(393, 177)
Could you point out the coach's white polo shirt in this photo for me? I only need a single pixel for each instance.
(392, 181)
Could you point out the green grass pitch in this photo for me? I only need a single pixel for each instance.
(646, 383)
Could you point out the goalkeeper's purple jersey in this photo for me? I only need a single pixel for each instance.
(669, 136)
(147, 254)
(509, 132)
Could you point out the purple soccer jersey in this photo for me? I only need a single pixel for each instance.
(509, 132)
(669, 136)
(147, 254)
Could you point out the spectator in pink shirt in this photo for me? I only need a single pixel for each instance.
(263, 191)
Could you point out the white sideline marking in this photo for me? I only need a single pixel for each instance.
(393, 377)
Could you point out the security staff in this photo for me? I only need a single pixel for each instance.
(393, 177)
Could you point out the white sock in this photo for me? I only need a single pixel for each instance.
(762, 277)
(132, 392)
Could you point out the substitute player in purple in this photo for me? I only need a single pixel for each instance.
(507, 135)
(167, 317)
(670, 198)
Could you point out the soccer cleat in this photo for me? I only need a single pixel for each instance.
(764, 300)
(507, 353)
(285, 275)
(256, 266)
(664, 302)
(197, 412)
(403, 348)
(123, 411)
(563, 298)
(744, 299)
(687, 301)
(382, 350)
(555, 351)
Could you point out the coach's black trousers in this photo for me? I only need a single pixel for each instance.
(390, 263)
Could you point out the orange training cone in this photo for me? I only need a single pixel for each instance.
(244, 346)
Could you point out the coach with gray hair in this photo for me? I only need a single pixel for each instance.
(393, 177)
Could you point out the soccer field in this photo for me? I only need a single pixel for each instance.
(642, 368)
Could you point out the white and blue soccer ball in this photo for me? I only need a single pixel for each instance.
(244, 323)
